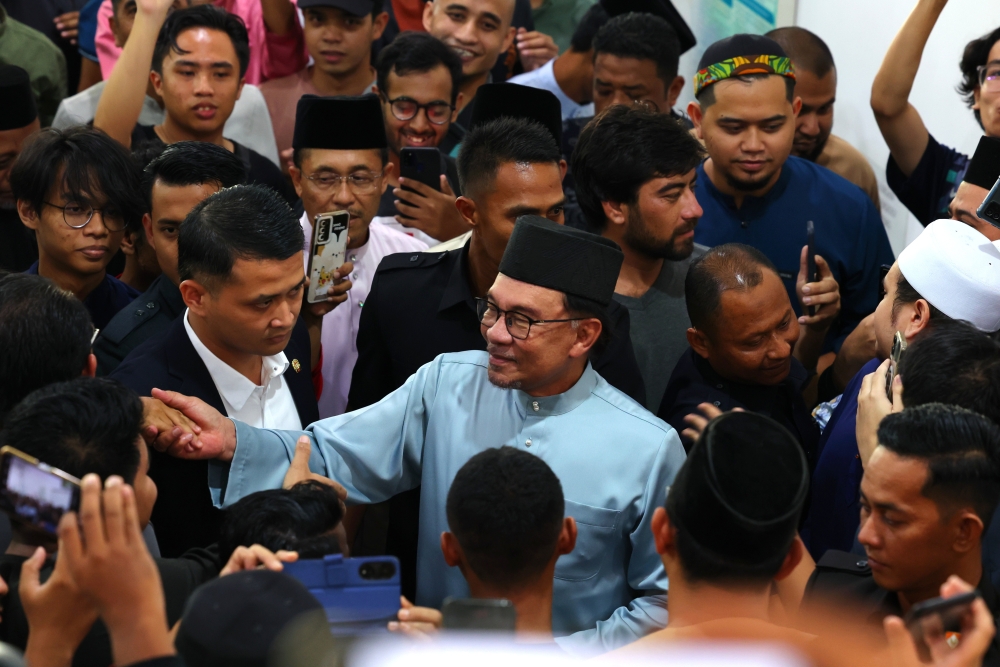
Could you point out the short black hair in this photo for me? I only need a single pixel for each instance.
(953, 362)
(975, 55)
(201, 16)
(731, 266)
(624, 148)
(706, 97)
(300, 519)
(505, 508)
(643, 37)
(242, 222)
(583, 37)
(45, 336)
(192, 163)
(377, 8)
(86, 425)
(962, 451)
(416, 53)
(91, 163)
(905, 293)
(807, 51)
(500, 142)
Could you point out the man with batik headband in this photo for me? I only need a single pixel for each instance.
(753, 192)
(336, 170)
(18, 121)
(534, 389)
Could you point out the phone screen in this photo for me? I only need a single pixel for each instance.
(35, 494)
(329, 251)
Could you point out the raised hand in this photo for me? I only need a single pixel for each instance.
(824, 294)
(873, 406)
(697, 421)
(418, 622)
(430, 211)
(313, 313)
(257, 556)
(535, 48)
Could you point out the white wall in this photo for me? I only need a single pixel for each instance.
(859, 32)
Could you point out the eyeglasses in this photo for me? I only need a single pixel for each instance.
(404, 108)
(78, 216)
(989, 77)
(518, 325)
(360, 183)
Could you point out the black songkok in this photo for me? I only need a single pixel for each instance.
(339, 123)
(494, 100)
(18, 107)
(984, 169)
(234, 620)
(545, 253)
(662, 8)
(741, 491)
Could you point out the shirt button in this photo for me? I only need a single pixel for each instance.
(527, 443)
(716, 403)
(862, 564)
(534, 406)
(150, 305)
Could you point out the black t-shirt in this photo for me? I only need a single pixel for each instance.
(18, 248)
(928, 191)
(260, 170)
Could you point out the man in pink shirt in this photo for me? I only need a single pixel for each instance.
(277, 47)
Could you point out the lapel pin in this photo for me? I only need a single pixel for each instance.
(296, 365)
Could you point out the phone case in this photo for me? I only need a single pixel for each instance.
(329, 249)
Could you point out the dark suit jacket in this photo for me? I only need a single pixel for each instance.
(184, 515)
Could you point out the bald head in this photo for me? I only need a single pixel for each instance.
(732, 266)
(807, 51)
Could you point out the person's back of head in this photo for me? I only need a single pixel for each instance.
(192, 163)
(86, 425)
(731, 266)
(582, 40)
(806, 49)
(300, 519)
(45, 337)
(954, 363)
(505, 509)
(735, 504)
(416, 53)
(503, 141)
(208, 17)
(249, 222)
(621, 150)
(641, 36)
(961, 449)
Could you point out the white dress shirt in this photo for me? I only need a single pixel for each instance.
(265, 405)
(544, 77)
(340, 325)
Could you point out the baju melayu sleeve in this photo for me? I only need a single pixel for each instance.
(613, 458)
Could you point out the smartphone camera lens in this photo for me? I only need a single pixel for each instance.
(993, 211)
(383, 570)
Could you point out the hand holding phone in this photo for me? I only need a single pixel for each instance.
(329, 249)
(989, 210)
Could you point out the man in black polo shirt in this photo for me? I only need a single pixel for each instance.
(929, 490)
(748, 350)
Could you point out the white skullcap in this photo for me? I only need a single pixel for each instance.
(957, 270)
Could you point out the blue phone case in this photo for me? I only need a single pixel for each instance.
(360, 595)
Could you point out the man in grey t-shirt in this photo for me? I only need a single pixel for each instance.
(635, 178)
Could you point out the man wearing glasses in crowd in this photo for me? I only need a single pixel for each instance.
(345, 171)
(79, 190)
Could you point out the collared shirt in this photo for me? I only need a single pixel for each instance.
(249, 123)
(35, 53)
(265, 405)
(544, 77)
(849, 233)
(110, 296)
(340, 325)
(694, 381)
(613, 458)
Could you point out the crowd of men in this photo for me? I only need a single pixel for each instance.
(648, 374)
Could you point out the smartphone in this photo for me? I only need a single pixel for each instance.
(423, 165)
(989, 210)
(359, 595)
(329, 248)
(898, 348)
(811, 272)
(33, 494)
(939, 616)
(481, 615)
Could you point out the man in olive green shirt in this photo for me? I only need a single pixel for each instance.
(35, 53)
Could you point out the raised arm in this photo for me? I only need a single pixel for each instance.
(903, 129)
(121, 102)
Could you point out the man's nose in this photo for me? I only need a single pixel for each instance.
(808, 125)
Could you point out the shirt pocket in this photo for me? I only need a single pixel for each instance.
(595, 540)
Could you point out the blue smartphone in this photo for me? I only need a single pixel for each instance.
(989, 210)
(360, 595)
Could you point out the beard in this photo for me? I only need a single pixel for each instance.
(641, 239)
(815, 152)
(500, 382)
(747, 184)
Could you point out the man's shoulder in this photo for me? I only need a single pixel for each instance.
(80, 108)
(140, 313)
(623, 408)
(415, 263)
(146, 365)
(832, 187)
(841, 574)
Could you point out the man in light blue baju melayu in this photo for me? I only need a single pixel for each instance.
(532, 389)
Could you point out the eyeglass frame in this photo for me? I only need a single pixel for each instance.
(338, 179)
(981, 73)
(502, 313)
(93, 210)
(425, 107)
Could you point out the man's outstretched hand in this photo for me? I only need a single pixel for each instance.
(216, 434)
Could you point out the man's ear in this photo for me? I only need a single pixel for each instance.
(588, 331)
(796, 106)
(467, 208)
(458, 105)
(113, 24)
(664, 533)
(296, 175)
(616, 213)
(674, 91)
(451, 549)
(28, 214)
(567, 537)
(379, 24)
(697, 118)
(157, 81)
(511, 33)
(699, 342)
(792, 559)
(388, 171)
(239, 91)
(147, 226)
(920, 317)
(968, 530)
(428, 13)
(128, 243)
(90, 366)
(194, 295)
(563, 168)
